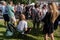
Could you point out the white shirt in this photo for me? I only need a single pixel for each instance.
(22, 25)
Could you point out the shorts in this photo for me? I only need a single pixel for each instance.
(13, 19)
(6, 17)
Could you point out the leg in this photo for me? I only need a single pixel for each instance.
(37, 27)
(46, 37)
(38, 24)
(52, 36)
(13, 19)
(34, 24)
(5, 22)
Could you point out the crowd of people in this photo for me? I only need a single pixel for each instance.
(46, 13)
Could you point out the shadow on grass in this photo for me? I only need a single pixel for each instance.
(36, 32)
(18, 36)
(57, 36)
(2, 26)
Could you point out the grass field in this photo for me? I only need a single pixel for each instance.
(31, 36)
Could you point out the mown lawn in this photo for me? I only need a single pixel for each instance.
(34, 35)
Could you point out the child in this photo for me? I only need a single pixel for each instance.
(22, 25)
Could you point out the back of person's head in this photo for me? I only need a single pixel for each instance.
(44, 6)
(37, 5)
(10, 2)
(21, 17)
(3, 3)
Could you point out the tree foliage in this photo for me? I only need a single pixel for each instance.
(21, 1)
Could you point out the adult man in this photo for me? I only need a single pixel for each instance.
(36, 16)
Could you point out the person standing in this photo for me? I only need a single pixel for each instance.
(49, 20)
(4, 11)
(11, 12)
(36, 16)
(19, 8)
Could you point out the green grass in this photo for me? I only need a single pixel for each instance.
(31, 36)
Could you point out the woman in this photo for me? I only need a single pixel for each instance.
(56, 16)
(49, 20)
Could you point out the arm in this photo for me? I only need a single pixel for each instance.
(55, 12)
(25, 26)
(12, 9)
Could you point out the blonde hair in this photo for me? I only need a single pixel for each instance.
(55, 12)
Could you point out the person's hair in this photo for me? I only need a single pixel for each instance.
(10, 2)
(3, 2)
(21, 17)
(43, 6)
(37, 5)
(49, 5)
(54, 11)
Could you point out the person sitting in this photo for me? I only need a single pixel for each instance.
(22, 26)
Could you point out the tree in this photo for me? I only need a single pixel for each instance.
(21, 1)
